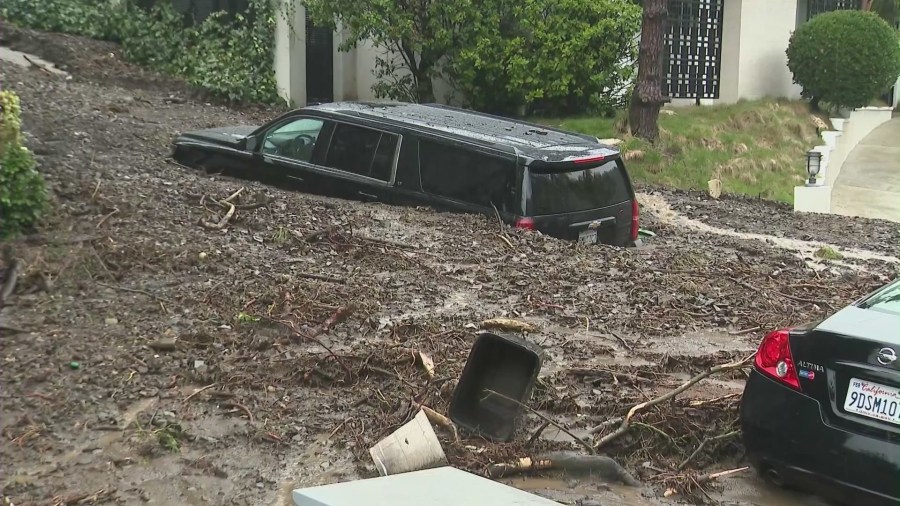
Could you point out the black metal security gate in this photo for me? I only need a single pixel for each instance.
(319, 63)
(816, 7)
(693, 49)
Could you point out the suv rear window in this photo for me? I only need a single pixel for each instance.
(579, 190)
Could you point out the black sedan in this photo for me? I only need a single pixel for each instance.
(821, 409)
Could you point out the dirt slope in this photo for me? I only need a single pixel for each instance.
(128, 306)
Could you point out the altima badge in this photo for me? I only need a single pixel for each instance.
(887, 356)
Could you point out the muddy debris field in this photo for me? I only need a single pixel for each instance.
(152, 355)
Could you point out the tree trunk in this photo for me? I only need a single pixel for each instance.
(425, 89)
(643, 116)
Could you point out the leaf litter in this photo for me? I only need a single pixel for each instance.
(306, 322)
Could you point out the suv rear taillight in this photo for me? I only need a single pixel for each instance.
(525, 223)
(774, 359)
(635, 219)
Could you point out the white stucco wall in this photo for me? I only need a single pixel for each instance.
(766, 27)
(755, 35)
(290, 53)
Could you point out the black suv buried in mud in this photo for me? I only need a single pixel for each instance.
(563, 184)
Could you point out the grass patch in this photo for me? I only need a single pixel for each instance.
(828, 253)
(755, 148)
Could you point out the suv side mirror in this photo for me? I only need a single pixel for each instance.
(250, 143)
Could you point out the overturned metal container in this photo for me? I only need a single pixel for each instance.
(505, 364)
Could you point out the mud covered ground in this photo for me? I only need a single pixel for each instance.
(149, 358)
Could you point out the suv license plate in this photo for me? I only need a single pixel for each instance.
(873, 400)
(588, 237)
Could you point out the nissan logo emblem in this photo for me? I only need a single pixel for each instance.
(886, 356)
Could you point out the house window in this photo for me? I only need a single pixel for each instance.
(362, 151)
(466, 175)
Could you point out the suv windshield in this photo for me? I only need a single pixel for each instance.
(579, 190)
(887, 299)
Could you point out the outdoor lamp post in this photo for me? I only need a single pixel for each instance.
(813, 165)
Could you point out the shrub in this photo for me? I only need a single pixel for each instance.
(229, 58)
(846, 58)
(563, 57)
(23, 196)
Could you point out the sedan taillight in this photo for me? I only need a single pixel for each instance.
(774, 359)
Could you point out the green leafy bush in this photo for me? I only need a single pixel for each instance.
(229, 58)
(563, 57)
(846, 58)
(23, 196)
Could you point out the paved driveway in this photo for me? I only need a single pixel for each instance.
(869, 182)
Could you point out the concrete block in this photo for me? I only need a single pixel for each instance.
(443, 486)
(812, 199)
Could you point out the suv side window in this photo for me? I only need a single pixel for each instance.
(467, 175)
(362, 151)
(295, 139)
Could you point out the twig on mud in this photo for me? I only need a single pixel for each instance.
(704, 402)
(132, 290)
(537, 434)
(545, 418)
(605, 424)
(224, 221)
(36, 64)
(706, 478)
(12, 277)
(319, 277)
(106, 217)
(626, 423)
(235, 405)
(207, 387)
(621, 339)
(745, 331)
(338, 316)
(234, 195)
(502, 234)
(754, 289)
(703, 445)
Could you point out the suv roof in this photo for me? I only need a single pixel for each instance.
(527, 139)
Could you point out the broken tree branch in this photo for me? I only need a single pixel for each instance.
(626, 423)
(545, 418)
(224, 221)
(703, 445)
(12, 277)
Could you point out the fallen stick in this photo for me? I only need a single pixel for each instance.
(224, 221)
(545, 418)
(626, 422)
(319, 277)
(106, 217)
(706, 478)
(132, 290)
(207, 387)
(698, 403)
(622, 340)
(703, 445)
(12, 277)
(745, 331)
(596, 465)
(234, 195)
(508, 324)
(235, 405)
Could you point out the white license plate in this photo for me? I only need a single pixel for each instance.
(873, 400)
(588, 237)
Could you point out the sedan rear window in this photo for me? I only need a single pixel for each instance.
(579, 190)
(887, 299)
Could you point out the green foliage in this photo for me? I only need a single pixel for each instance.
(418, 36)
(23, 196)
(828, 253)
(846, 58)
(230, 58)
(562, 57)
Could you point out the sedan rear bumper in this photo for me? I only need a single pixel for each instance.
(785, 435)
